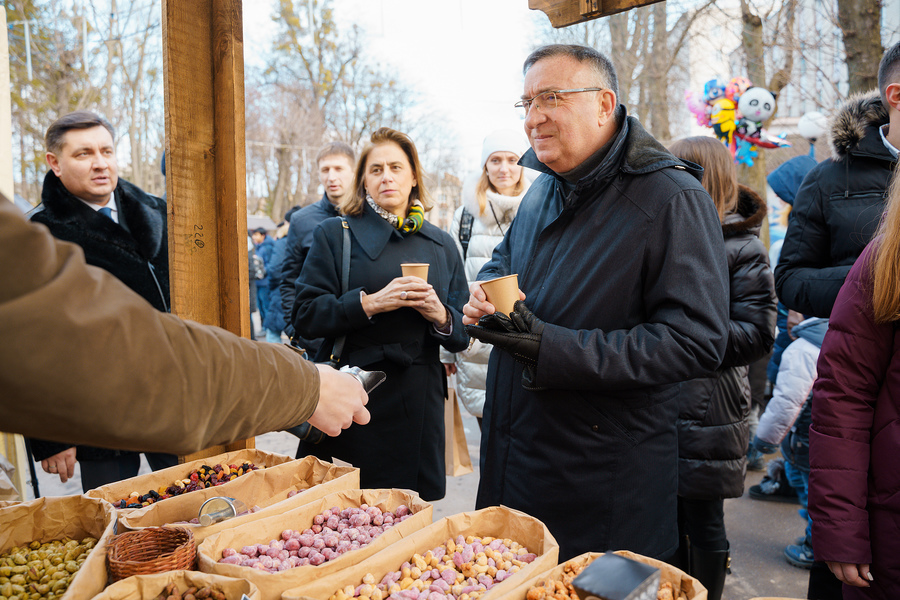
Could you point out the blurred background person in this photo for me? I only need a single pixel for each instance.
(275, 320)
(392, 323)
(264, 246)
(489, 205)
(713, 427)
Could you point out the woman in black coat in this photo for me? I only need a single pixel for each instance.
(713, 427)
(392, 323)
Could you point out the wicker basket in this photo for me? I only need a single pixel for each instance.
(151, 550)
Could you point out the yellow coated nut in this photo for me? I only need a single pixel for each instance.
(415, 572)
(406, 583)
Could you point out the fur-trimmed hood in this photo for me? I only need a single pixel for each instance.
(854, 127)
(751, 210)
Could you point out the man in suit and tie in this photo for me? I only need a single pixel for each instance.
(121, 229)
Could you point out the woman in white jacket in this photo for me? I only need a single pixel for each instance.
(488, 207)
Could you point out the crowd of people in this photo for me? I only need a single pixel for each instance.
(614, 400)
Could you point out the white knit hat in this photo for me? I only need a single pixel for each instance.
(504, 140)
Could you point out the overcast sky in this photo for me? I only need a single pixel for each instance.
(463, 56)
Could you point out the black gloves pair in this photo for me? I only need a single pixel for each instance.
(518, 333)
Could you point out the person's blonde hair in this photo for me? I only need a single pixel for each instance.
(719, 173)
(353, 203)
(885, 263)
(484, 184)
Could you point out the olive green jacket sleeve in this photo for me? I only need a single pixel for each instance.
(85, 360)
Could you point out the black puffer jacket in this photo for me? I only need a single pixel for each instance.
(837, 209)
(712, 411)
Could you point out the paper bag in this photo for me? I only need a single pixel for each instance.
(148, 587)
(262, 529)
(691, 587)
(142, 484)
(267, 489)
(495, 521)
(456, 450)
(53, 518)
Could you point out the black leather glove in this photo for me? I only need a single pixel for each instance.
(519, 333)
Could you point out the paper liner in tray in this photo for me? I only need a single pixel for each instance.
(53, 518)
(263, 528)
(267, 489)
(141, 484)
(148, 587)
(496, 521)
(681, 580)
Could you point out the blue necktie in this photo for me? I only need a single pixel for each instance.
(106, 212)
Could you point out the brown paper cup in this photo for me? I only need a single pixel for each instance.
(415, 270)
(502, 292)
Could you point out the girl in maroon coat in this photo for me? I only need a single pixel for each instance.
(855, 433)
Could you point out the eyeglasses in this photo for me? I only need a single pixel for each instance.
(549, 100)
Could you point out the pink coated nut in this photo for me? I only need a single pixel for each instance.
(318, 519)
(292, 544)
(234, 559)
(287, 534)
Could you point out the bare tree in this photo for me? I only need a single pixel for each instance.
(860, 22)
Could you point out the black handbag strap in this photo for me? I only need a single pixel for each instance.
(345, 284)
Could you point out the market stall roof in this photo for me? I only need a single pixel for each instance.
(568, 12)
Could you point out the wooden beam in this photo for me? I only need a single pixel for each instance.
(203, 59)
(563, 13)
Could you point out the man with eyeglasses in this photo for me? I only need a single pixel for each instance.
(624, 288)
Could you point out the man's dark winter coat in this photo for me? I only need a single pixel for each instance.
(627, 267)
(299, 240)
(403, 444)
(837, 209)
(138, 256)
(713, 430)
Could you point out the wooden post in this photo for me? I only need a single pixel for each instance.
(203, 58)
(568, 12)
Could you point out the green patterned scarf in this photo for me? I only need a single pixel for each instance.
(415, 216)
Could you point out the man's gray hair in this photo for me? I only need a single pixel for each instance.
(602, 66)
